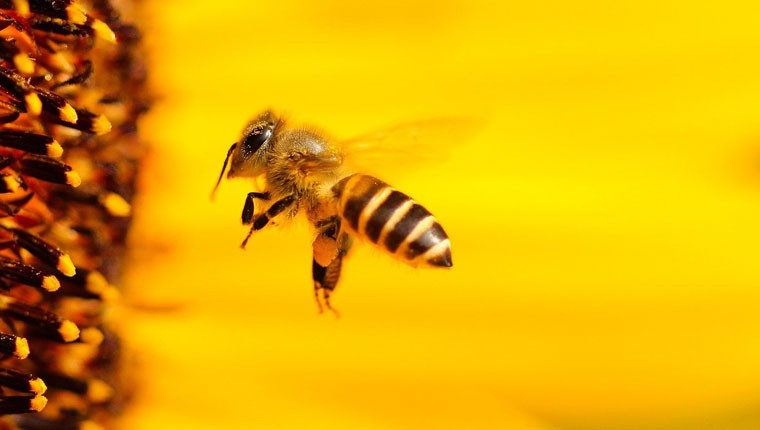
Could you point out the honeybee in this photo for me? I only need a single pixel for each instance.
(304, 170)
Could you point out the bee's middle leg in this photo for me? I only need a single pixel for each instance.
(263, 219)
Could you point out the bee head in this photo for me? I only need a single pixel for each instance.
(247, 157)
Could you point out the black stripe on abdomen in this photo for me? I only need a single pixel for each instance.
(383, 213)
(401, 230)
(431, 237)
(360, 194)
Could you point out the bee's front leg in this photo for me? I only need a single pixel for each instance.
(263, 219)
(247, 216)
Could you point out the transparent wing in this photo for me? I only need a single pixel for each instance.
(407, 146)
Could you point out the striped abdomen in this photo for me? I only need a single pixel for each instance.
(392, 220)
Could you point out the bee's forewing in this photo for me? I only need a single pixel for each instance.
(408, 146)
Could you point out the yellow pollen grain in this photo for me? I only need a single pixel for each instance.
(38, 403)
(23, 63)
(116, 205)
(37, 386)
(69, 331)
(103, 31)
(54, 149)
(50, 283)
(66, 266)
(73, 179)
(101, 125)
(98, 391)
(33, 104)
(325, 250)
(22, 348)
(68, 114)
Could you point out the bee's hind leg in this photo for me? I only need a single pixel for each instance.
(330, 247)
(332, 276)
(325, 250)
(318, 275)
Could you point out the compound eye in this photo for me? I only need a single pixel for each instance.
(253, 141)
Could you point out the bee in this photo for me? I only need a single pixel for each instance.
(303, 170)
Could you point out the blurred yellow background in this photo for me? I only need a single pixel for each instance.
(604, 221)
